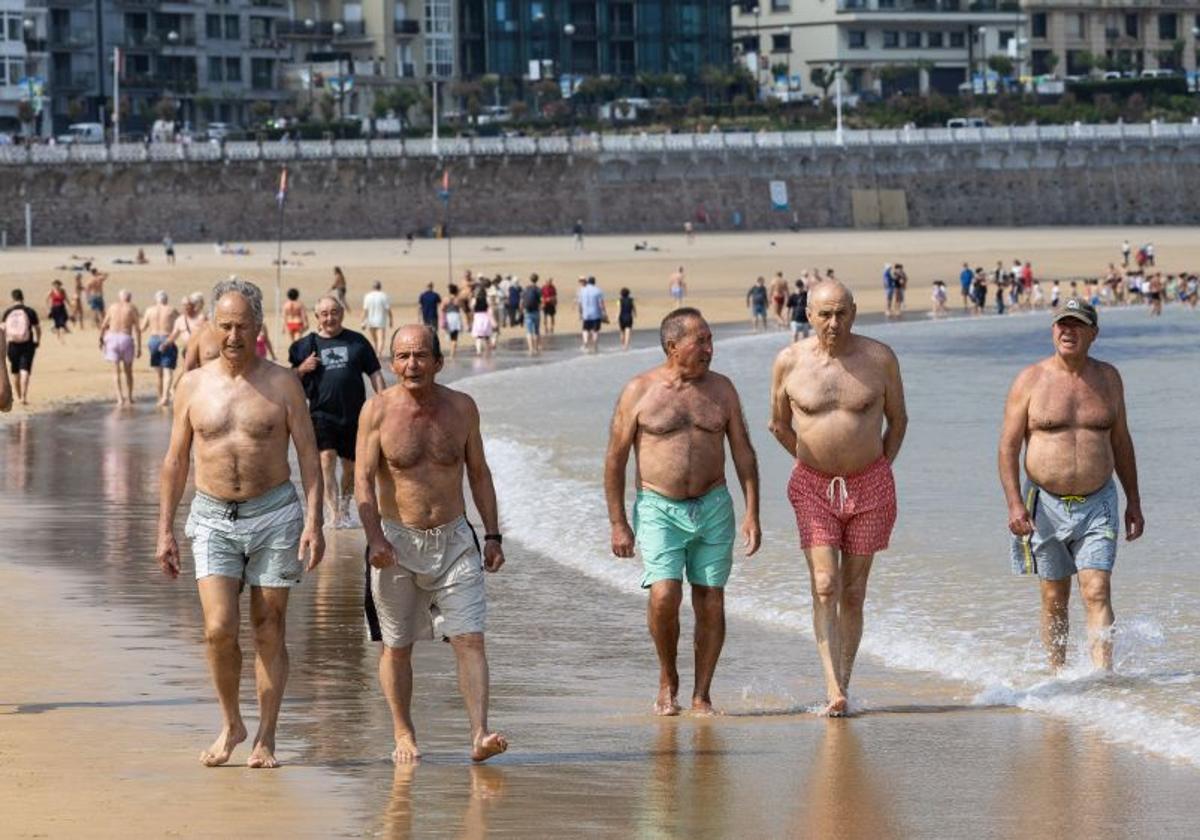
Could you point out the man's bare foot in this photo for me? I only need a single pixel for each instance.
(703, 708)
(222, 748)
(486, 746)
(838, 707)
(262, 757)
(406, 751)
(666, 705)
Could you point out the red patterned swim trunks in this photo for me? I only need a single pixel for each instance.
(855, 513)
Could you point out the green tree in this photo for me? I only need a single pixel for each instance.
(1085, 61)
(1001, 65)
(326, 106)
(26, 115)
(695, 107)
(261, 111)
(824, 78)
(165, 109)
(1051, 62)
(519, 109)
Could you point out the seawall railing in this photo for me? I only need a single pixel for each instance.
(597, 144)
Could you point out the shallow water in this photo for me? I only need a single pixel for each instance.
(950, 634)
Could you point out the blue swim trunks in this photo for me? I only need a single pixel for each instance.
(692, 535)
(1070, 533)
(162, 357)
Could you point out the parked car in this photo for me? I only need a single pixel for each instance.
(1110, 75)
(219, 131)
(966, 122)
(1157, 74)
(82, 133)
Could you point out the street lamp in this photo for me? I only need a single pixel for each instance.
(983, 52)
(758, 49)
(569, 31)
(29, 25)
(310, 26)
(338, 29)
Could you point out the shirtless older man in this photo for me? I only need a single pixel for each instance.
(425, 574)
(120, 330)
(246, 523)
(830, 395)
(676, 418)
(1069, 412)
(157, 324)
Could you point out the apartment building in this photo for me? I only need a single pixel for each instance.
(885, 46)
(22, 65)
(618, 38)
(1120, 35)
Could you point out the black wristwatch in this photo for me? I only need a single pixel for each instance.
(497, 538)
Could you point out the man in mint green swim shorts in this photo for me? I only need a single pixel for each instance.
(676, 418)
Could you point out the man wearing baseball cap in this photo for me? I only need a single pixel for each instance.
(1069, 412)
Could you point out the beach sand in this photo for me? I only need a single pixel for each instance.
(719, 269)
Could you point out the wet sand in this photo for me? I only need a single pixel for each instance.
(106, 703)
(719, 269)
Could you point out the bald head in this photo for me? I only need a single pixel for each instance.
(418, 335)
(830, 291)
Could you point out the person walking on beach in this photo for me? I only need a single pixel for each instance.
(756, 302)
(157, 324)
(339, 288)
(1125, 251)
(295, 316)
(677, 287)
(94, 289)
(531, 306)
(797, 304)
(428, 304)
(779, 295)
(169, 249)
(1068, 411)
(331, 364)
(628, 311)
(830, 396)
(452, 318)
(676, 418)
(120, 334)
(246, 524)
(6, 394)
(577, 232)
(56, 303)
(416, 440)
(23, 334)
(966, 278)
(377, 315)
(593, 313)
(549, 305)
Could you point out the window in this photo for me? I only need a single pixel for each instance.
(233, 69)
(1037, 24)
(857, 39)
(781, 5)
(12, 27)
(935, 39)
(212, 27)
(405, 66)
(216, 69)
(233, 29)
(1077, 26)
(958, 39)
(891, 38)
(262, 73)
(438, 17)
(439, 57)
(912, 40)
(781, 43)
(1006, 35)
(1131, 25)
(1168, 27)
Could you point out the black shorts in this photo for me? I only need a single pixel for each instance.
(625, 323)
(548, 309)
(591, 324)
(20, 356)
(336, 437)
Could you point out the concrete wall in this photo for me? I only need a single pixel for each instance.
(1018, 184)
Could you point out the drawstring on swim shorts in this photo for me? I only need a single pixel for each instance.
(837, 486)
(436, 533)
(231, 511)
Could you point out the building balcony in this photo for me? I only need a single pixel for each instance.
(57, 4)
(352, 30)
(406, 27)
(929, 6)
(71, 39)
(69, 82)
(269, 4)
(266, 43)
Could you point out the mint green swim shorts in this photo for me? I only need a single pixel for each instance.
(692, 534)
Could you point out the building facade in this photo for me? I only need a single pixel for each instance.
(1114, 35)
(885, 46)
(618, 38)
(22, 66)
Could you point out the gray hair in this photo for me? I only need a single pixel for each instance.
(160, 296)
(124, 296)
(246, 289)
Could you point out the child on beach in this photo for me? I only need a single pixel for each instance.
(939, 299)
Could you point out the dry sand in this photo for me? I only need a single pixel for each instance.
(719, 269)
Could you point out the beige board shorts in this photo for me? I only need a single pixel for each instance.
(435, 588)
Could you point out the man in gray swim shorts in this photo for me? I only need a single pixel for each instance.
(1069, 413)
(246, 524)
(425, 573)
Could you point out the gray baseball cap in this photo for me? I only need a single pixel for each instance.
(1080, 310)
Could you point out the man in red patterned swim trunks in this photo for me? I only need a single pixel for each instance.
(830, 395)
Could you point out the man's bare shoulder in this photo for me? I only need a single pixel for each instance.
(874, 349)
(1108, 373)
(457, 400)
(721, 385)
(1029, 377)
(636, 387)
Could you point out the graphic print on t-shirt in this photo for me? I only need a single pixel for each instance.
(335, 358)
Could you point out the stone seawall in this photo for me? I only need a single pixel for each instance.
(1050, 183)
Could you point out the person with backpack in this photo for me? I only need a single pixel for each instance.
(23, 334)
(531, 304)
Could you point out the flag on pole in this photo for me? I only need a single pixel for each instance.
(444, 192)
(281, 196)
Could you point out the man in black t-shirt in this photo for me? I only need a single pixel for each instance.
(331, 364)
(23, 334)
(797, 304)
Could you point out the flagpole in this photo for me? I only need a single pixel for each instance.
(449, 241)
(282, 197)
